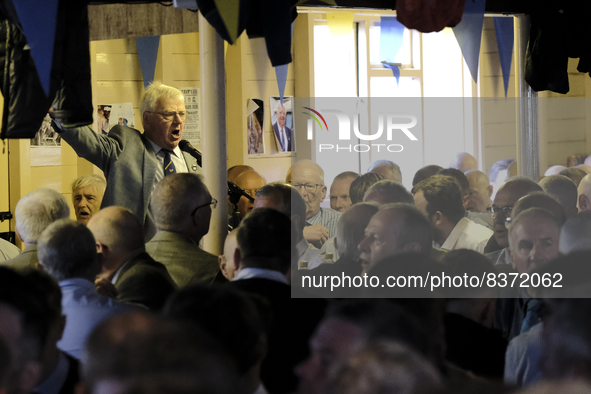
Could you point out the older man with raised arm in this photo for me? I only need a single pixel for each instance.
(34, 212)
(182, 207)
(321, 223)
(133, 163)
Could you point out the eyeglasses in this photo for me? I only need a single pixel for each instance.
(251, 192)
(213, 203)
(169, 116)
(310, 188)
(506, 210)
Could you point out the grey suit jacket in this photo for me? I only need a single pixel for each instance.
(186, 262)
(128, 162)
(26, 259)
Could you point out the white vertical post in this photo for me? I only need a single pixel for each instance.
(213, 127)
(528, 145)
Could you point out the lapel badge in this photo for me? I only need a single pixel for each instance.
(194, 168)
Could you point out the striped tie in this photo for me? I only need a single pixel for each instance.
(169, 167)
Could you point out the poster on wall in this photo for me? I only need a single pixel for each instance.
(102, 119)
(192, 130)
(282, 121)
(255, 111)
(109, 115)
(46, 146)
(122, 114)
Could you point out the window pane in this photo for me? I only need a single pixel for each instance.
(386, 87)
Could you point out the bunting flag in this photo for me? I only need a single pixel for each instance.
(230, 14)
(38, 19)
(505, 38)
(391, 34)
(147, 51)
(469, 34)
(281, 75)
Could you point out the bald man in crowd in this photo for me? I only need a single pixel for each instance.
(396, 228)
(464, 162)
(181, 206)
(480, 192)
(563, 190)
(250, 181)
(234, 171)
(554, 170)
(226, 260)
(321, 223)
(286, 199)
(584, 198)
(387, 168)
(502, 206)
(340, 200)
(576, 233)
(137, 278)
(575, 174)
(34, 212)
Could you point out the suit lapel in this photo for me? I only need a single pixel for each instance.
(150, 167)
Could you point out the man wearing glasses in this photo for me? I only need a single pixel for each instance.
(181, 206)
(133, 163)
(321, 223)
(506, 197)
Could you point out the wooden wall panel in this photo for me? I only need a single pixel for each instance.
(112, 21)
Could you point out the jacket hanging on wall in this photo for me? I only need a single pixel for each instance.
(25, 102)
(559, 30)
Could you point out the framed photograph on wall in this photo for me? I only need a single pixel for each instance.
(282, 121)
(255, 125)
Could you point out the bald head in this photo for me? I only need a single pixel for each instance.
(480, 191)
(584, 191)
(251, 181)
(234, 171)
(507, 196)
(464, 162)
(584, 167)
(118, 229)
(576, 233)
(540, 200)
(387, 168)
(226, 260)
(554, 170)
(563, 190)
(574, 174)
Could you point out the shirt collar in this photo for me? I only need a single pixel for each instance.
(177, 151)
(455, 234)
(77, 282)
(54, 382)
(250, 272)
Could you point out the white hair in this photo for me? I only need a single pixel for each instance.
(37, 210)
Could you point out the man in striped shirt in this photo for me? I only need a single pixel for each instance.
(321, 223)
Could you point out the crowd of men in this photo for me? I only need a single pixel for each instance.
(124, 300)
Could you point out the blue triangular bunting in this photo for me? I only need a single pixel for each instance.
(469, 34)
(147, 51)
(505, 38)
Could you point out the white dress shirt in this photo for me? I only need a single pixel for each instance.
(467, 235)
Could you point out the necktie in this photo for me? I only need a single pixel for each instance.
(169, 167)
(532, 315)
